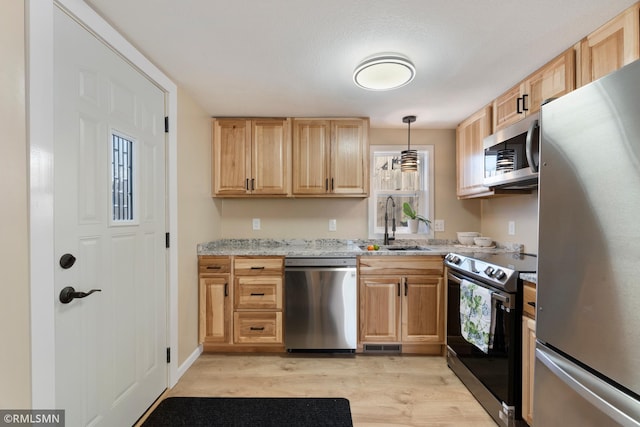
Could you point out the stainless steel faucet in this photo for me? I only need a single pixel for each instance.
(386, 221)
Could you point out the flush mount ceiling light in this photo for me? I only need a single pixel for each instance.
(409, 157)
(384, 72)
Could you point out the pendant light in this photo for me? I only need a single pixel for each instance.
(409, 157)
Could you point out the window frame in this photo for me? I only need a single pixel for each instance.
(427, 193)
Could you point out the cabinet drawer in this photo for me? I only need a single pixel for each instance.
(423, 265)
(255, 266)
(529, 296)
(257, 328)
(258, 292)
(213, 264)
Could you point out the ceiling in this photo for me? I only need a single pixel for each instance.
(295, 58)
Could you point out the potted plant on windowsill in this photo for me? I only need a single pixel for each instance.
(413, 218)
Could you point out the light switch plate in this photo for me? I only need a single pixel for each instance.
(438, 225)
(256, 223)
(512, 228)
(332, 225)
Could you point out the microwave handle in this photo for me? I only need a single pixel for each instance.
(529, 146)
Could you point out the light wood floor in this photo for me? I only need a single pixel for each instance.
(382, 390)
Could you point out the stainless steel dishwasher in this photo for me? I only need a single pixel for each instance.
(320, 305)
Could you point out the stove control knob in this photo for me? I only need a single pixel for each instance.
(500, 274)
(489, 271)
(456, 260)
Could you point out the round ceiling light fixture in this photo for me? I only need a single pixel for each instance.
(384, 72)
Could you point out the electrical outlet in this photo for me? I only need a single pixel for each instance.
(438, 225)
(512, 228)
(256, 223)
(332, 225)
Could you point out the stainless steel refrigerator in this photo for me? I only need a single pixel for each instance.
(587, 369)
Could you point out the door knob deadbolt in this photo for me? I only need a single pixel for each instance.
(68, 294)
(67, 261)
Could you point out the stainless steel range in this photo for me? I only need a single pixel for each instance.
(484, 335)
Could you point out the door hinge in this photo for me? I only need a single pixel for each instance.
(166, 124)
(167, 240)
(168, 354)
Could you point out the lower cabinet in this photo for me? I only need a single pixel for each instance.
(240, 306)
(528, 351)
(401, 302)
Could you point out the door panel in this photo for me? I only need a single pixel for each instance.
(111, 345)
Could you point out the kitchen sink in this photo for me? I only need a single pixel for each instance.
(405, 248)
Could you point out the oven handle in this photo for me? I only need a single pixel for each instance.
(506, 300)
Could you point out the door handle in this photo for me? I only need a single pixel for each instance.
(68, 294)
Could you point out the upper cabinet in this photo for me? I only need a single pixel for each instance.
(251, 157)
(610, 47)
(553, 80)
(330, 157)
(470, 154)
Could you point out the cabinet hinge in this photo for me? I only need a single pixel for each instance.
(166, 124)
(167, 239)
(168, 354)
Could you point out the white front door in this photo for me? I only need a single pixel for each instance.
(109, 225)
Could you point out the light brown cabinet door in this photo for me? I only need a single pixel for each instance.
(555, 79)
(215, 310)
(379, 309)
(311, 154)
(423, 310)
(231, 157)
(470, 154)
(508, 108)
(330, 157)
(270, 156)
(528, 363)
(610, 47)
(251, 157)
(349, 157)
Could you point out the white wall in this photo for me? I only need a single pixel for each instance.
(522, 209)
(15, 356)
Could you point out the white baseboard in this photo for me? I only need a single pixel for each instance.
(188, 362)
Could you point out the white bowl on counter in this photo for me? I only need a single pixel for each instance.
(483, 241)
(466, 237)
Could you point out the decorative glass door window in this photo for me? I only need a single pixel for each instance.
(414, 188)
(122, 180)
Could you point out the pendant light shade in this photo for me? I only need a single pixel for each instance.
(409, 157)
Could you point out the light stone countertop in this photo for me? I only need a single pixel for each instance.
(303, 248)
(529, 277)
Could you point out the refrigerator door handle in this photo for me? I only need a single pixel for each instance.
(614, 403)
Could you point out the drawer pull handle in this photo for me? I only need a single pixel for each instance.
(258, 268)
(214, 267)
(257, 328)
(532, 304)
(226, 289)
(256, 294)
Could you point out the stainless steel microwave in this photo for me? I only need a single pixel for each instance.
(511, 155)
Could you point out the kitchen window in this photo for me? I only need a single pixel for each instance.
(415, 188)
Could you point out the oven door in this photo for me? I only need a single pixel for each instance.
(499, 370)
